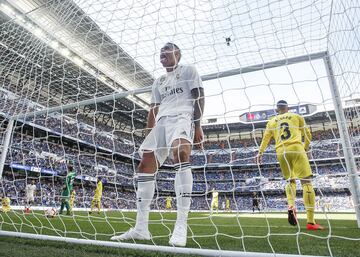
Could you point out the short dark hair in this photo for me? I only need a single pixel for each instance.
(175, 47)
(281, 103)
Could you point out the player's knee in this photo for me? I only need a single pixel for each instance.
(307, 186)
(181, 155)
(306, 180)
(147, 164)
(146, 168)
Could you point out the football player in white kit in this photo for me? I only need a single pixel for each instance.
(30, 193)
(177, 105)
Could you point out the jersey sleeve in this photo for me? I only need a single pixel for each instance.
(305, 132)
(194, 78)
(266, 138)
(155, 94)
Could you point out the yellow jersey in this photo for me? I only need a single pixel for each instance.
(98, 190)
(287, 129)
(215, 196)
(5, 202)
(227, 204)
(168, 202)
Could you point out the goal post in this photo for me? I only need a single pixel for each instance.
(116, 96)
(342, 66)
(345, 138)
(5, 144)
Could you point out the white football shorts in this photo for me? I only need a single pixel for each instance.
(165, 132)
(29, 198)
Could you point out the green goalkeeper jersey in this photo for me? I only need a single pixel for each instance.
(69, 181)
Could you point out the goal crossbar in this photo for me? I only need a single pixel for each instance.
(217, 75)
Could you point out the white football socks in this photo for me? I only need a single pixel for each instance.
(146, 189)
(183, 190)
(144, 196)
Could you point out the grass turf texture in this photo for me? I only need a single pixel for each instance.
(243, 232)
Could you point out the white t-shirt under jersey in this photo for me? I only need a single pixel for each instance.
(173, 91)
(30, 190)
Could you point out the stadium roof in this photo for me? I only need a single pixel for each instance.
(116, 51)
(260, 31)
(47, 75)
(69, 25)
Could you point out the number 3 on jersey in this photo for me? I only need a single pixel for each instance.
(285, 134)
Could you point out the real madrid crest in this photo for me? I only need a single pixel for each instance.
(177, 76)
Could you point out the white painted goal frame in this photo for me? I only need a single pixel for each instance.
(344, 135)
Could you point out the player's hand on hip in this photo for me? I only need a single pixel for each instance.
(258, 158)
(198, 137)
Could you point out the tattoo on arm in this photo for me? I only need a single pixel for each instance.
(199, 103)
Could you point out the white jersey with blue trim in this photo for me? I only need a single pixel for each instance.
(172, 91)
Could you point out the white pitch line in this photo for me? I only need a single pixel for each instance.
(330, 216)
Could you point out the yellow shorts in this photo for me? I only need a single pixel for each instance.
(168, 206)
(214, 205)
(5, 208)
(96, 199)
(293, 161)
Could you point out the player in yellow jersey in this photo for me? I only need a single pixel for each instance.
(72, 199)
(288, 130)
(97, 196)
(227, 204)
(215, 200)
(5, 204)
(168, 203)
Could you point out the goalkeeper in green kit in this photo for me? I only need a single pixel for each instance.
(65, 195)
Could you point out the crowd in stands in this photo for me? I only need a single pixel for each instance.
(122, 173)
(130, 137)
(234, 150)
(243, 174)
(24, 148)
(255, 184)
(41, 153)
(46, 154)
(49, 190)
(48, 193)
(319, 150)
(11, 104)
(245, 143)
(91, 135)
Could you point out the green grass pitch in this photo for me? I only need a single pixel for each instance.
(260, 232)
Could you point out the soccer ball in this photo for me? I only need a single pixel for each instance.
(50, 213)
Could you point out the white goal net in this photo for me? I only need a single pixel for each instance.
(75, 94)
